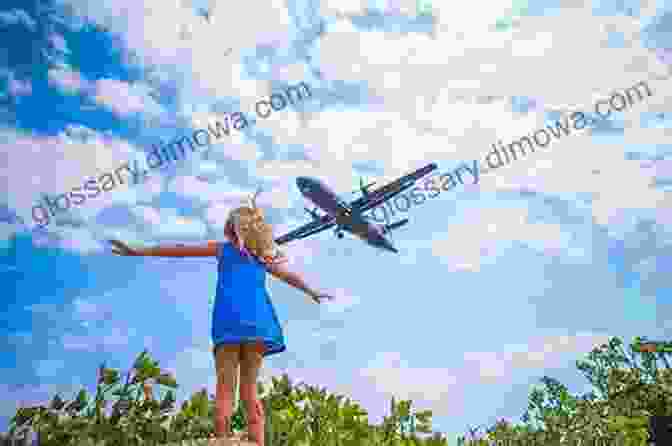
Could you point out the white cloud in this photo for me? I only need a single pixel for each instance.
(442, 117)
(81, 343)
(342, 301)
(277, 197)
(341, 8)
(449, 124)
(59, 43)
(86, 310)
(541, 352)
(96, 339)
(217, 214)
(55, 165)
(281, 170)
(410, 8)
(117, 337)
(513, 67)
(235, 145)
(128, 234)
(193, 188)
(484, 231)
(335, 139)
(147, 215)
(19, 88)
(442, 388)
(172, 36)
(167, 224)
(80, 240)
(393, 375)
(125, 99)
(579, 164)
(182, 228)
(7, 230)
(292, 74)
(121, 97)
(473, 17)
(69, 81)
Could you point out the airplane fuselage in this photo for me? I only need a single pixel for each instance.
(347, 219)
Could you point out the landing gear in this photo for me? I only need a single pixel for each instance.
(339, 234)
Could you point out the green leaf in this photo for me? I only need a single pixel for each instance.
(24, 414)
(57, 403)
(167, 380)
(200, 403)
(168, 401)
(121, 392)
(82, 397)
(109, 376)
(143, 362)
(154, 371)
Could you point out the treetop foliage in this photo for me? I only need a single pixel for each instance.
(630, 385)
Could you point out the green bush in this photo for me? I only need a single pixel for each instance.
(296, 414)
(628, 388)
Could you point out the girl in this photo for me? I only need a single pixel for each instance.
(245, 327)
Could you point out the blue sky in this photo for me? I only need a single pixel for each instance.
(496, 284)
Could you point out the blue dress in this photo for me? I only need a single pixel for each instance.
(243, 311)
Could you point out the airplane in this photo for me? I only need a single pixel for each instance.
(349, 217)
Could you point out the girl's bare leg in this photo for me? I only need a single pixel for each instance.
(226, 362)
(250, 362)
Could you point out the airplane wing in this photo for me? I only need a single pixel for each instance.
(304, 231)
(390, 190)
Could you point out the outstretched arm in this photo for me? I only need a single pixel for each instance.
(210, 250)
(280, 271)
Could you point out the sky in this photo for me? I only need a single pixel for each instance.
(496, 283)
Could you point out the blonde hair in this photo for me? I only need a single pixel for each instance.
(252, 233)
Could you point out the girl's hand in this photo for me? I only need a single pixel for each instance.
(121, 249)
(319, 297)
